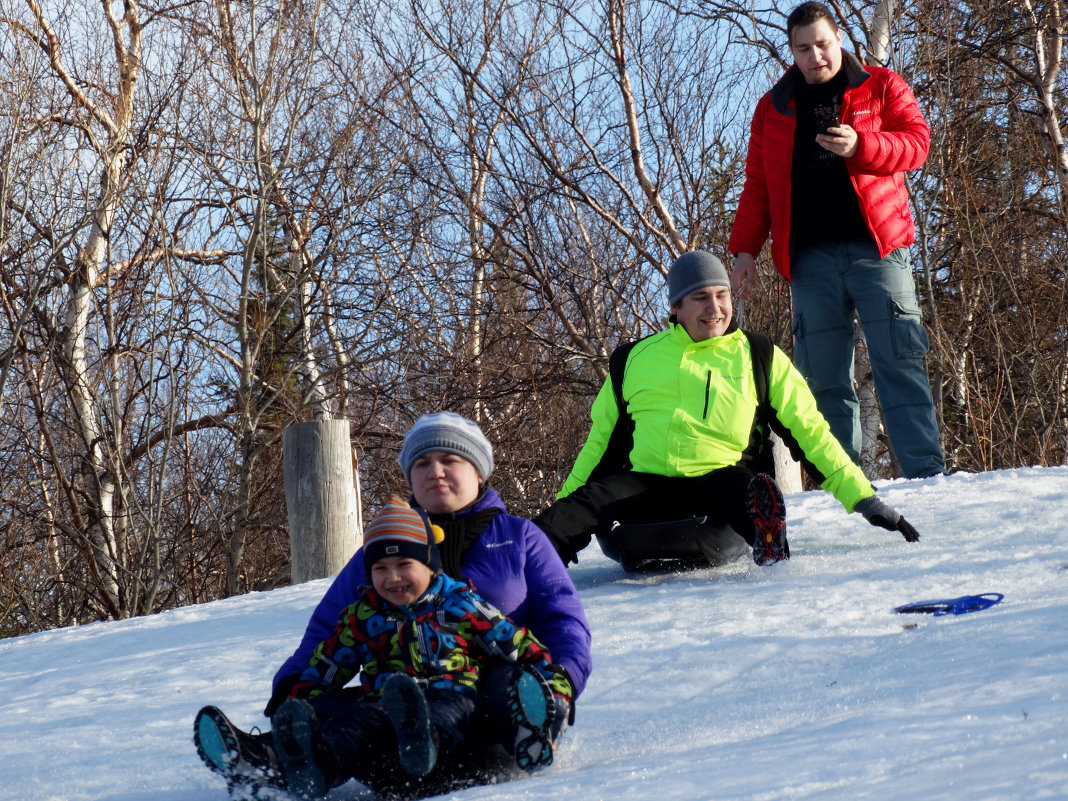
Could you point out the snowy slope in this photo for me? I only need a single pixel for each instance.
(790, 682)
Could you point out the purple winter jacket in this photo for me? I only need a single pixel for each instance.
(513, 566)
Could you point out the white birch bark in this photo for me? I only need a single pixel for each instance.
(102, 475)
(879, 34)
(870, 414)
(618, 27)
(1049, 45)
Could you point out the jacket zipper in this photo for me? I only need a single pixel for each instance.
(708, 385)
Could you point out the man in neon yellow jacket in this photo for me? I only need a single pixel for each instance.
(690, 394)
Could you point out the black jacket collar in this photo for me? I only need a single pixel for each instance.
(783, 91)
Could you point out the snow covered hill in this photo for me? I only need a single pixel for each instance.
(791, 682)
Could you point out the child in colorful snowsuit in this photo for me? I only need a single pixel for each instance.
(416, 640)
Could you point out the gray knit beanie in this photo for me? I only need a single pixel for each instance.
(692, 271)
(449, 432)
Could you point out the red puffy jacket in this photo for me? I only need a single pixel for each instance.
(892, 137)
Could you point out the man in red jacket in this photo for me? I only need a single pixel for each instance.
(824, 177)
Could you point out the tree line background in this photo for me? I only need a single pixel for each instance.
(220, 217)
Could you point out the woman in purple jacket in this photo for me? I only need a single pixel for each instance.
(510, 561)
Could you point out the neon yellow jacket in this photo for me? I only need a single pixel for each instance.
(694, 406)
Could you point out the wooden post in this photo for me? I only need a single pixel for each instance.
(321, 498)
(787, 471)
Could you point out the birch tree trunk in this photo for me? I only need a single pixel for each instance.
(870, 414)
(617, 26)
(101, 472)
(1049, 45)
(879, 33)
(1048, 35)
(870, 418)
(260, 70)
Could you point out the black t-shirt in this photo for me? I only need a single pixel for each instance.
(824, 204)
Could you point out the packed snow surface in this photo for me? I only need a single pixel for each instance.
(797, 681)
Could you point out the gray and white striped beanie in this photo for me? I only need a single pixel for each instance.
(451, 433)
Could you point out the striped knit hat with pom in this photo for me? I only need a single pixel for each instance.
(451, 433)
(400, 530)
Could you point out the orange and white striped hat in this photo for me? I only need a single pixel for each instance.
(400, 530)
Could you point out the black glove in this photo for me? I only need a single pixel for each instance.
(280, 694)
(565, 550)
(879, 514)
(568, 555)
(568, 550)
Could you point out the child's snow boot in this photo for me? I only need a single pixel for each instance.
(300, 748)
(768, 512)
(533, 712)
(247, 761)
(406, 707)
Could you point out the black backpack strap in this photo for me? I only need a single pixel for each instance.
(759, 455)
(617, 367)
(616, 456)
(762, 351)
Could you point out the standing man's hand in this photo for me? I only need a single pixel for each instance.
(840, 139)
(743, 276)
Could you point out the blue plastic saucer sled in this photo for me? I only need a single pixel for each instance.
(952, 606)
